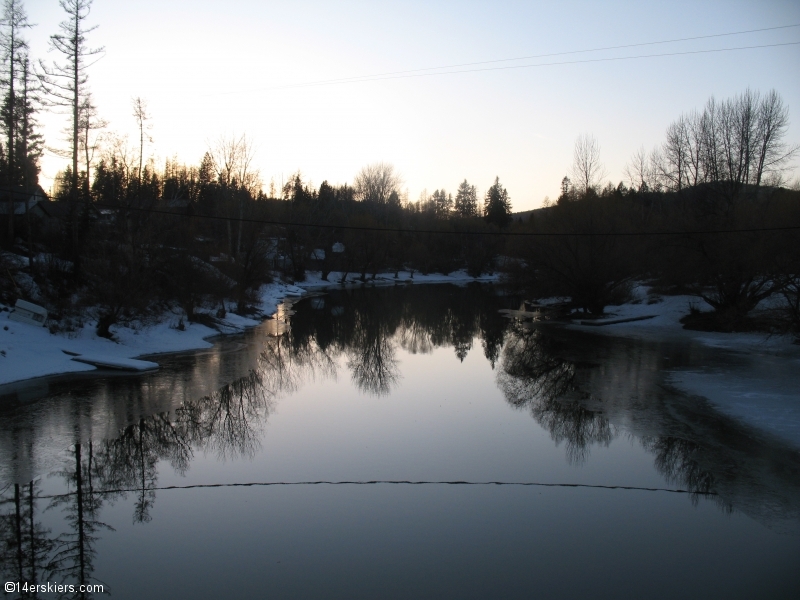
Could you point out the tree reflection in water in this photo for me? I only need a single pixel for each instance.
(677, 460)
(371, 353)
(366, 326)
(605, 381)
(26, 546)
(360, 330)
(75, 552)
(533, 376)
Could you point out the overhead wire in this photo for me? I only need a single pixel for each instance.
(455, 482)
(279, 223)
(420, 72)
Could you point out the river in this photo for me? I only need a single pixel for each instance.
(395, 443)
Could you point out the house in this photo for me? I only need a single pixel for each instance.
(18, 201)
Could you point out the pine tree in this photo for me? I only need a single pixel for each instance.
(29, 142)
(13, 45)
(466, 204)
(497, 208)
(442, 203)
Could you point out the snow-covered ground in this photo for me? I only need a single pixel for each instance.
(763, 391)
(667, 312)
(28, 351)
(315, 282)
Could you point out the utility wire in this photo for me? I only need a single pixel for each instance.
(446, 232)
(552, 64)
(551, 54)
(278, 223)
(421, 71)
(391, 482)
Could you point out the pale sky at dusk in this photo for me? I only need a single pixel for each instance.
(209, 69)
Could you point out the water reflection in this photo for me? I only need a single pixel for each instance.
(368, 327)
(677, 460)
(26, 546)
(31, 552)
(533, 376)
(585, 391)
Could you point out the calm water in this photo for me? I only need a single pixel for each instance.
(349, 449)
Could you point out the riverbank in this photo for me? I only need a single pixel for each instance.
(658, 317)
(764, 391)
(28, 352)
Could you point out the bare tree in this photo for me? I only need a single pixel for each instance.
(377, 182)
(65, 81)
(735, 142)
(675, 155)
(232, 158)
(88, 138)
(772, 122)
(639, 172)
(142, 118)
(587, 170)
(233, 162)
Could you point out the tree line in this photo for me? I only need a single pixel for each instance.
(126, 237)
(706, 213)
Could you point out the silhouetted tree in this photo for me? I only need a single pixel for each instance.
(497, 206)
(14, 47)
(65, 82)
(376, 182)
(587, 170)
(466, 202)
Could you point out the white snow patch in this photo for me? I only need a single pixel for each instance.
(27, 352)
(764, 401)
(314, 279)
(666, 325)
(124, 364)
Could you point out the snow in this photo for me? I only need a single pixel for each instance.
(763, 391)
(755, 396)
(123, 364)
(667, 311)
(13, 261)
(314, 280)
(27, 351)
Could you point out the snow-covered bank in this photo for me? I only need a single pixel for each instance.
(27, 351)
(666, 313)
(766, 396)
(314, 281)
(763, 391)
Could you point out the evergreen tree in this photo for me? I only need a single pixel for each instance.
(442, 203)
(14, 21)
(567, 191)
(466, 204)
(497, 207)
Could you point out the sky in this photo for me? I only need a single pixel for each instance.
(210, 70)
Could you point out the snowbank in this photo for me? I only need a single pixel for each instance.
(663, 323)
(761, 397)
(315, 282)
(27, 351)
(762, 391)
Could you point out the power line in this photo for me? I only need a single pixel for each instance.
(553, 64)
(446, 232)
(391, 482)
(420, 72)
(550, 54)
